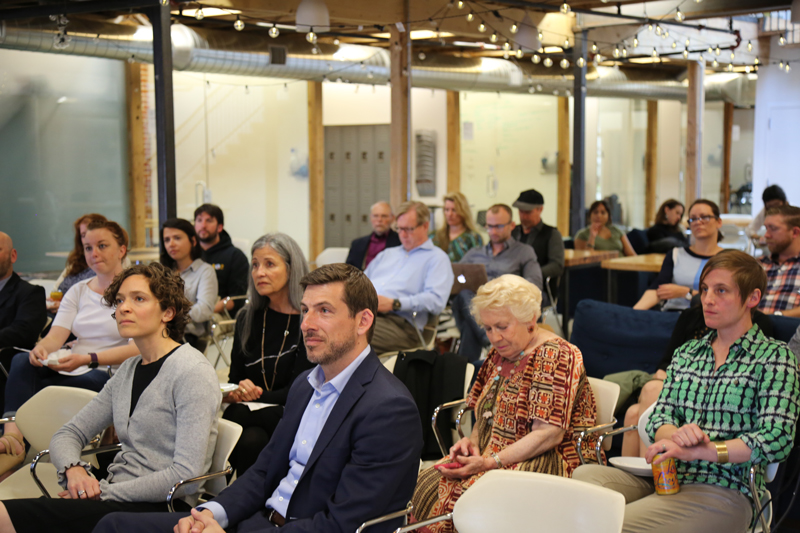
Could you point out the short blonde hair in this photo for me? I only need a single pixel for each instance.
(422, 211)
(509, 292)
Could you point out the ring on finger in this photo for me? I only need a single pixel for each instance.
(664, 447)
(81, 492)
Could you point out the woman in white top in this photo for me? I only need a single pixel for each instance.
(180, 251)
(83, 314)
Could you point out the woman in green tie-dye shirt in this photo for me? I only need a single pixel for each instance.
(459, 234)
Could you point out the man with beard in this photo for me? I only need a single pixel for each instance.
(348, 446)
(783, 262)
(230, 263)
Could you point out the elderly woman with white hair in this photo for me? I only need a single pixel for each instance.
(530, 395)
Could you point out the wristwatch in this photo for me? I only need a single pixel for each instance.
(778, 313)
(396, 305)
(688, 296)
(94, 363)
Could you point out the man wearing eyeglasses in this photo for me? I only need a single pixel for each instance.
(415, 277)
(782, 264)
(503, 255)
(364, 249)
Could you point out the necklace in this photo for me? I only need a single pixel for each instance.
(280, 351)
(498, 386)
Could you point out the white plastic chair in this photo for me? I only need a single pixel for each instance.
(530, 502)
(605, 399)
(332, 255)
(38, 419)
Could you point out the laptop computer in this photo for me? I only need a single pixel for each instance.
(468, 277)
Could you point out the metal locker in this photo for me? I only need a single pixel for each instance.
(333, 189)
(350, 206)
(366, 177)
(383, 148)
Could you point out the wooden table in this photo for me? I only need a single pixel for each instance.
(575, 260)
(636, 263)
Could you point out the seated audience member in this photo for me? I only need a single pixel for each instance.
(159, 403)
(601, 234)
(678, 280)
(730, 401)
(794, 343)
(229, 262)
(268, 351)
(529, 396)
(546, 240)
(181, 252)
(348, 446)
(76, 269)
(667, 232)
(503, 255)
(364, 249)
(782, 264)
(415, 277)
(691, 325)
(458, 234)
(773, 196)
(22, 310)
(83, 314)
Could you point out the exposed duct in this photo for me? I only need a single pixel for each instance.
(229, 52)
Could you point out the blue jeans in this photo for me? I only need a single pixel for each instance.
(25, 380)
(473, 337)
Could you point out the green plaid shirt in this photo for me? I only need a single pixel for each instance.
(753, 396)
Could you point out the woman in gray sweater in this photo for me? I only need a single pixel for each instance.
(163, 405)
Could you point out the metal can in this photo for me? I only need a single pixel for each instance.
(665, 476)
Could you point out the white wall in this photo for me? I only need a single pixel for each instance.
(742, 147)
(670, 157)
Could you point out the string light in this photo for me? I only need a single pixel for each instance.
(781, 40)
(624, 52)
(732, 54)
(749, 46)
(686, 53)
(520, 53)
(679, 16)
(548, 62)
(470, 16)
(649, 27)
(688, 42)
(730, 67)
(788, 68)
(710, 50)
(336, 42)
(506, 46)
(715, 64)
(505, 54)
(747, 69)
(274, 32)
(566, 42)
(531, 90)
(493, 38)
(594, 47)
(311, 36)
(581, 62)
(535, 58)
(780, 66)
(564, 63)
(565, 9)
(655, 53)
(238, 25)
(674, 45)
(540, 35)
(481, 27)
(314, 50)
(514, 28)
(666, 34)
(636, 41)
(616, 51)
(199, 15)
(717, 50)
(421, 56)
(756, 62)
(658, 30)
(460, 4)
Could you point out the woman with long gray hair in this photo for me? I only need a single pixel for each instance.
(268, 351)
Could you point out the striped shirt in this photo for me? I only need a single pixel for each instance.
(783, 284)
(753, 396)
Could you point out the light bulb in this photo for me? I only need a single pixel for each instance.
(617, 53)
(520, 53)
(314, 50)
(493, 38)
(536, 58)
(666, 34)
(658, 30)
(531, 90)
(460, 4)
(565, 9)
(747, 69)
(481, 27)
(674, 45)
(636, 41)
(717, 50)
(710, 50)
(564, 63)
(686, 53)
(311, 37)
(566, 42)
(730, 67)
(336, 42)
(679, 16)
(788, 68)
(514, 28)
(540, 35)
(655, 53)
(781, 40)
(199, 15)
(594, 47)
(506, 46)
(505, 54)
(688, 42)
(539, 87)
(370, 75)
(624, 52)
(780, 66)
(567, 93)
(732, 55)
(581, 62)
(749, 46)
(548, 62)
(274, 32)
(715, 63)
(649, 27)
(756, 62)
(422, 56)
(238, 25)
(470, 16)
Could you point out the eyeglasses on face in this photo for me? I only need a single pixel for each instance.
(701, 218)
(407, 230)
(497, 227)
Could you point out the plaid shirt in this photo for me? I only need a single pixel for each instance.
(783, 284)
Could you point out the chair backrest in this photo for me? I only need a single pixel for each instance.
(228, 434)
(606, 394)
(332, 255)
(532, 501)
(49, 409)
(642, 425)
(389, 362)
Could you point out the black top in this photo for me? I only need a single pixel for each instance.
(231, 266)
(657, 232)
(692, 325)
(143, 376)
(22, 313)
(291, 364)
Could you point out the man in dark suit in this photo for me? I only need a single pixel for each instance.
(22, 306)
(364, 249)
(348, 446)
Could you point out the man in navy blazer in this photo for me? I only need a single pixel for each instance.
(348, 446)
(364, 249)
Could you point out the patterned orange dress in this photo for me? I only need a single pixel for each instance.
(550, 385)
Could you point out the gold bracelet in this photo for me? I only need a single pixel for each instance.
(497, 460)
(722, 452)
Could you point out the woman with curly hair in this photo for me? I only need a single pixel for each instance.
(162, 403)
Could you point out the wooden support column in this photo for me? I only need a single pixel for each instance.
(316, 171)
(400, 164)
(651, 163)
(694, 130)
(727, 139)
(453, 142)
(563, 166)
(137, 188)
(577, 172)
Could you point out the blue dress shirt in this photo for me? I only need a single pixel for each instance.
(421, 279)
(314, 417)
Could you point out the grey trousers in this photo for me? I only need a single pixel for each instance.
(394, 333)
(697, 508)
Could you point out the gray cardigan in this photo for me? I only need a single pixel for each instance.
(171, 435)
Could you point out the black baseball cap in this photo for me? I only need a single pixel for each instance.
(529, 199)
